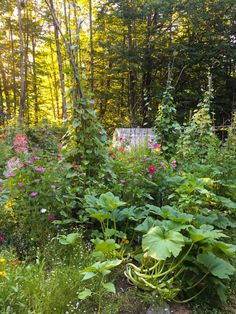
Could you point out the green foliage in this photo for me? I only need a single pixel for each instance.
(167, 129)
(198, 139)
(101, 269)
(174, 252)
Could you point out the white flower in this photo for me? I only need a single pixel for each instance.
(43, 210)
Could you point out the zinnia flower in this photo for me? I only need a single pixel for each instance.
(157, 147)
(152, 169)
(52, 217)
(40, 169)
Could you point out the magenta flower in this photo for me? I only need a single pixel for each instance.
(35, 148)
(156, 147)
(34, 193)
(36, 158)
(152, 169)
(30, 161)
(40, 169)
(10, 174)
(52, 217)
(20, 184)
(173, 164)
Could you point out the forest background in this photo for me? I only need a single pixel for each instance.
(125, 50)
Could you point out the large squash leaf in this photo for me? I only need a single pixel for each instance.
(205, 232)
(160, 244)
(215, 265)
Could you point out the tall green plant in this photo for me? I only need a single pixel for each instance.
(166, 127)
(198, 139)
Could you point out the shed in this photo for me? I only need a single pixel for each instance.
(132, 137)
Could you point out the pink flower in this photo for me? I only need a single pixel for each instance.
(40, 169)
(173, 164)
(152, 169)
(30, 161)
(20, 184)
(35, 158)
(34, 193)
(52, 217)
(21, 143)
(10, 174)
(35, 148)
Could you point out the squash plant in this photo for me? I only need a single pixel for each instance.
(179, 254)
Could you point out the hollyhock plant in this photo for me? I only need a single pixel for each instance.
(152, 169)
(21, 143)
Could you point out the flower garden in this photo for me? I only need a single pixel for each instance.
(122, 230)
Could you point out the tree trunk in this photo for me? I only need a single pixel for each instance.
(132, 80)
(22, 67)
(13, 68)
(35, 88)
(55, 83)
(60, 65)
(6, 90)
(91, 46)
(2, 114)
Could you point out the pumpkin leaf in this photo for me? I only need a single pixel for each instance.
(215, 265)
(160, 244)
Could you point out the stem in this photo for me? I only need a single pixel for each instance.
(167, 271)
(196, 283)
(187, 300)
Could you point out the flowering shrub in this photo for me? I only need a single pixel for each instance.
(34, 192)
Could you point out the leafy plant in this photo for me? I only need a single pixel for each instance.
(179, 254)
(100, 269)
